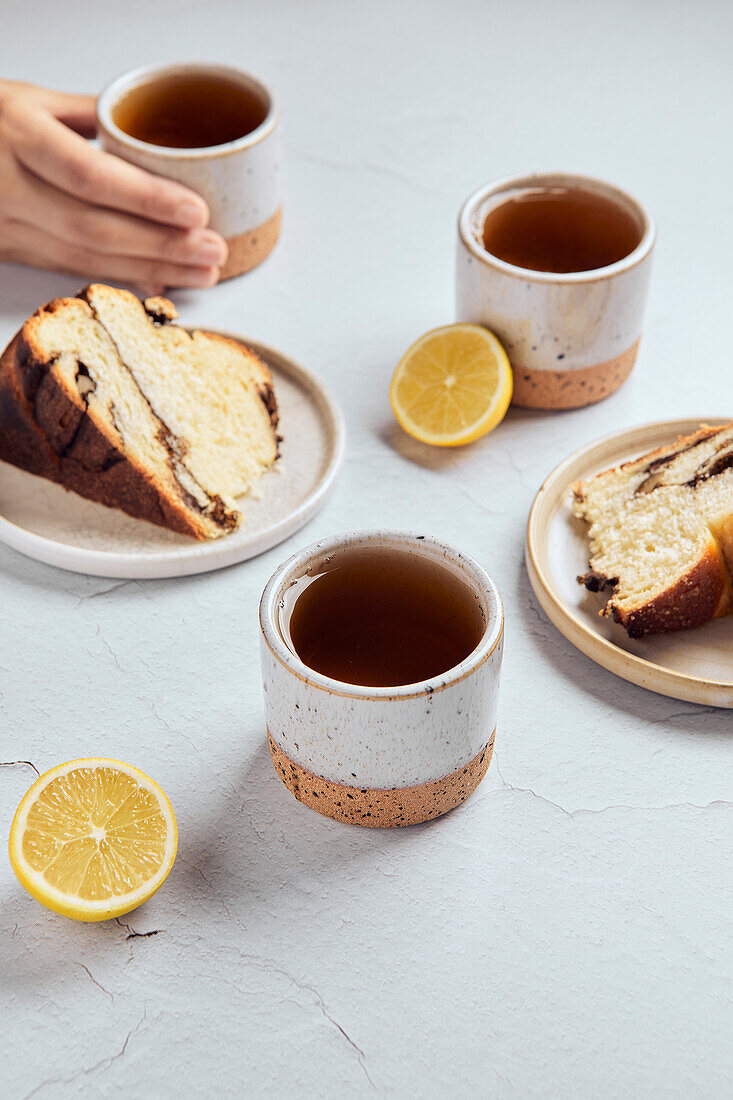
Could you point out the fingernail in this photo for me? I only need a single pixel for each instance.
(190, 215)
(211, 250)
(200, 277)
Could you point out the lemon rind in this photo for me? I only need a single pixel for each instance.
(488, 422)
(70, 905)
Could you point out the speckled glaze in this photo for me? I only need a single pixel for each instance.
(572, 337)
(382, 807)
(368, 743)
(240, 180)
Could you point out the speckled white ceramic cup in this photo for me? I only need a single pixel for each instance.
(240, 180)
(571, 338)
(380, 756)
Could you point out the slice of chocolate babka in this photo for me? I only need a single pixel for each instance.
(661, 534)
(103, 394)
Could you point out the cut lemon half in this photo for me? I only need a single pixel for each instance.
(93, 839)
(452, 386)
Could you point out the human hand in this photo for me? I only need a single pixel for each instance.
(68, 206)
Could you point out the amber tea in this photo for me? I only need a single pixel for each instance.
(560, 229)
(190, 111)
(382, 618)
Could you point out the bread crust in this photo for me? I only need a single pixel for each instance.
(703, 593)
(48, 431)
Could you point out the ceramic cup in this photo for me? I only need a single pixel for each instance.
(571, 338)
(384, 756)
(239, 180)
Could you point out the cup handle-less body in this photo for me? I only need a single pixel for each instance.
(571, 339)
(381, 756)
(240, 181)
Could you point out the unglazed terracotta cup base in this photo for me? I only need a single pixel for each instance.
(380, 756)
(572, 389)
(571, 336)
(239, 180)
(247, 250)
(376, 807)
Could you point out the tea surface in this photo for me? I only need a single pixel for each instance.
(383, 618)
(560, 229)
(189, 112)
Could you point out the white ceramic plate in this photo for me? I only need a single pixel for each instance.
(46, 522)
(696, 665)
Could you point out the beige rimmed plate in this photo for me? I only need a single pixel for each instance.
(695, 665)
(44, 521)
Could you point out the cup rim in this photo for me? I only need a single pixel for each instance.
(544, 179)
(113, 90)
(293, 568)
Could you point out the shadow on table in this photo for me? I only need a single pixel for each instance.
(608, 689)
(446, 458)
(24, 289)
(234, 870)
(285, 842)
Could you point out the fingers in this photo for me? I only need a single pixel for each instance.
(109, 232)
(79, 112)
(64, 159)
(31, 245)
(76, 111)
(80, 210)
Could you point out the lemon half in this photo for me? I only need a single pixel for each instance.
(93, 839)
(452, 386)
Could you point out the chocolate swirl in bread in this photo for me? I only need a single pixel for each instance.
(108, 397)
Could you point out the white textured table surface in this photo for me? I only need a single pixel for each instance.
(567, 932)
